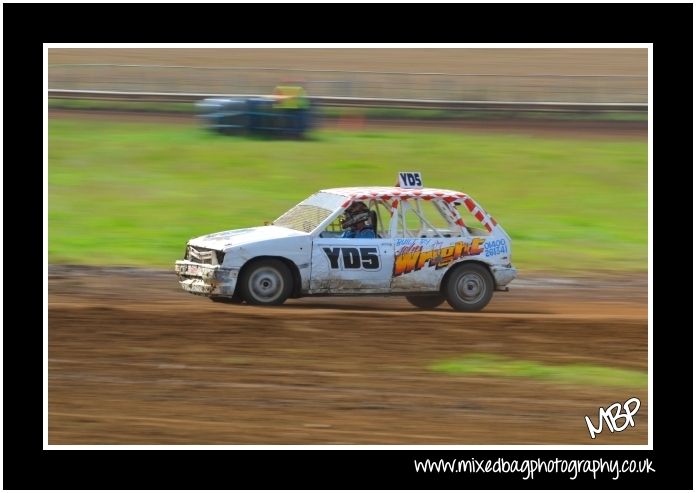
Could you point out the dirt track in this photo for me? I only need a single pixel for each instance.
(135, 360)
(615, 61)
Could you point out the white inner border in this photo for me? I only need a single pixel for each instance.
(649, 446)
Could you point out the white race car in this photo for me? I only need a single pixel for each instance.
(421, 242)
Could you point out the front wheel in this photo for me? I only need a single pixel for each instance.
(266, 282)
(469, 288)
(426, 302)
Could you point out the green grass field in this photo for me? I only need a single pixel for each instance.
(574, 374)
(133, 194)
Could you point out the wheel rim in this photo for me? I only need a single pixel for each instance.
(471, 287)
(266, 284)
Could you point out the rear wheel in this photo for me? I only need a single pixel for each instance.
(266, 282)
(426, 302)
(469, 288)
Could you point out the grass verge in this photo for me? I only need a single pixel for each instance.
(576, 374)
(134, 193)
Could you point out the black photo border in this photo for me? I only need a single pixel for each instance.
(27, 26)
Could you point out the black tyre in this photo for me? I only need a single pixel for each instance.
(233, 300)
(266, 282)
(469, 288)
(426, 302)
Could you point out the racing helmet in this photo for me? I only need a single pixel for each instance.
(356, 213)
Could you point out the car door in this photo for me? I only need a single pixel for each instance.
(351, 265)
(426, 242)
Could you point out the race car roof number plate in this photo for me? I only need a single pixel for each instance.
(410, 179)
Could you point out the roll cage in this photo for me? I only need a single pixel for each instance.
(412, 217)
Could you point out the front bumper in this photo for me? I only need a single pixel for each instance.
(206, 280)
(503, 275)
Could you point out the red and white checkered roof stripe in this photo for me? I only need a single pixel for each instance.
(393, 193)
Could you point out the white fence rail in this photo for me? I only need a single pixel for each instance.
(357, 85)
(361, 102)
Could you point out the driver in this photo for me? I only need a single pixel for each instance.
(356, 222)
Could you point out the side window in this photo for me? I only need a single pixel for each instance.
(380, 211)
(438, 217)
(425, 219)
(333, 230)
(379, 214)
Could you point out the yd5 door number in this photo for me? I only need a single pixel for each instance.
(353, 258)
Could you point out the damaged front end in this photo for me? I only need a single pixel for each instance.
(202, 272)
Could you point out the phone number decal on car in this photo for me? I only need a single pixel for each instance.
(495, 247)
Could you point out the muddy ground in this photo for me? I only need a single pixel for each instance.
(135, 360)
